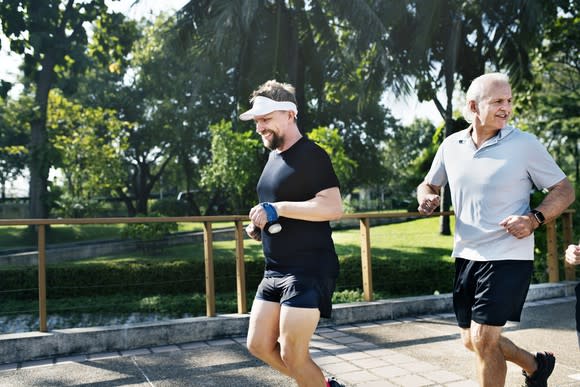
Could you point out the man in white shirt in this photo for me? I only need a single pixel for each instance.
(491, 168)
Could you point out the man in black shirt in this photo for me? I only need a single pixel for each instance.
(299, 194)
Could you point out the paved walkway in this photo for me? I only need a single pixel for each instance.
(422, 351)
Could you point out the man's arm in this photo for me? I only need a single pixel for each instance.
(428, 197)
(325, 205)
(559, 197)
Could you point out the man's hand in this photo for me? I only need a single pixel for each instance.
(429, 204)
(258, 216)
(520, 226)
(573, 254)
(254, 232)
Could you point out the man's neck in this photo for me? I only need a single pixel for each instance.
(291, 138)
(480, 134)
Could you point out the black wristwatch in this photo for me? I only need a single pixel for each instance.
(538, 216)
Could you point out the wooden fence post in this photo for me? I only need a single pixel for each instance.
(209, 272)
(240, 269)
(552, 258)
(365, 256)
(569, 270)
(42, 278)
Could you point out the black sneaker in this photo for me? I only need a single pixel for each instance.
(546, 362)
(332, 382)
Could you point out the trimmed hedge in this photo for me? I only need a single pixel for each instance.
(393, 276)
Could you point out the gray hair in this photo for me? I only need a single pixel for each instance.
(475, 91)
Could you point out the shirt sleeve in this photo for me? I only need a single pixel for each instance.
(322, 174)
(542, 169)
(437, 175)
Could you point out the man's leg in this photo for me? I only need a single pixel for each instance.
(492, 350)
(517, 355)
(297, 326)
(490, 361)
(263, 333)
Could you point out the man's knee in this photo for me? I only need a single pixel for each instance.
(466, 339)
(259, 348)
(484, 338)
(293, 356)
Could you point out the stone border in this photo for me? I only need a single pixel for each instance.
(19, 347)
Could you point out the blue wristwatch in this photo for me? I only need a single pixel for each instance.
(272, 226)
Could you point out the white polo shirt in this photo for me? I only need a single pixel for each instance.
(487, 185)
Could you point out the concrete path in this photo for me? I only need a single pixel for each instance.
(421, 351)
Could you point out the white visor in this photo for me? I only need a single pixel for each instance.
(265, 105)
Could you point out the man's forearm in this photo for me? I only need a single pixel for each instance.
(326, 205)
(425, 189)
(560, 197)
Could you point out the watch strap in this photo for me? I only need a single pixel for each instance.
(271, 212)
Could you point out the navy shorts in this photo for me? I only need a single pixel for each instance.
(299, 292)
(490, 292)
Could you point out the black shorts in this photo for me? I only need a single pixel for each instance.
(299, 292)
(490, 292)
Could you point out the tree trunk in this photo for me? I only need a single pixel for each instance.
(449, 66)
(128, 203)
(39, 147)
(444, 225)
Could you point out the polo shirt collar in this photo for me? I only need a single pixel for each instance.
(503, 133)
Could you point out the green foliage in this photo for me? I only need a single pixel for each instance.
(89, 143)
(149, 235)
(176, 76)
(52, 38)
(550, 109)
(149, 231)
(407, 155)
(333, 144)
(176, 96)
(235, 166)
(14, 135)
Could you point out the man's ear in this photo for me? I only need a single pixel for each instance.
(473, 106)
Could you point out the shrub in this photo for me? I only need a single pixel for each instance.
(149, 236)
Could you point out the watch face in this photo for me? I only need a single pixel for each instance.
(274, 228)
(539, 216)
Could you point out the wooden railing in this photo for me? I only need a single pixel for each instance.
(365, 246)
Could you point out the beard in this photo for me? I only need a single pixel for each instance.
(274, 143)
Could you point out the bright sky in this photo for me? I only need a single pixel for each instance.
(145, 8)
